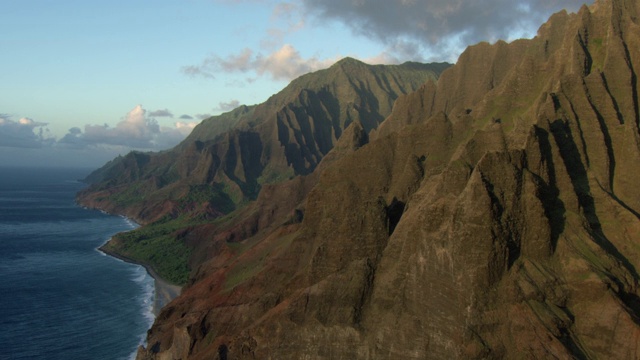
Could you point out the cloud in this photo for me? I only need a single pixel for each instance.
(203, 116)
(161, 113)
(285, 63)
(29, 142)
(185, 127)
(136, 130)
(169, 137)
(227, 106)
(186, 117)
(286, 19)
(198, 71)
(438, 26)
(24, 133)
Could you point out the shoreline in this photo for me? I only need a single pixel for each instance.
(164, 291)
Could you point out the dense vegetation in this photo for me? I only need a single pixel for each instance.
(159, 246)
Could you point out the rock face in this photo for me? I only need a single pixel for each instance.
(494, 214)
(236, 153)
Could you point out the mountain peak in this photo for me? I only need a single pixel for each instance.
(349, 61)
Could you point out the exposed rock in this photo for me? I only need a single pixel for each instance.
(238, 152)
(493, 214)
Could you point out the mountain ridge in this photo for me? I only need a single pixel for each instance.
(221, 168)
(491, 215)
(251, 145)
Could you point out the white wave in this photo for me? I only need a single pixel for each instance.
(140, 275)
(132, 224)
(147, 299)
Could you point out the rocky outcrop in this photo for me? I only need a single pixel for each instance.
(493, 214)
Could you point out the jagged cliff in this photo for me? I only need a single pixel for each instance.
(217, 182)
(228, 158)
(494, 214)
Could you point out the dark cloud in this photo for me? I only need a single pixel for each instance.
(438, 26)
(24, 133)
(186, 117)
(161, 113)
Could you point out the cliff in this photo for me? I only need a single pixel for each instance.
(214, 177)
(226, 160)
(493, 214)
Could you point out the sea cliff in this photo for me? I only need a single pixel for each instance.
(493, 213)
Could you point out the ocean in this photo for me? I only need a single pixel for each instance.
(61, 298)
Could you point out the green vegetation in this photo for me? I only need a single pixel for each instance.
(597, 52)
(133, 194)
(216, 194)
(157, 245)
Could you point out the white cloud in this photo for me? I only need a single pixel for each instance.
(185, 127)
(136, 131)
(171, 136)
(285, 63)
(227, 106)
(27, 142)
(286, 19)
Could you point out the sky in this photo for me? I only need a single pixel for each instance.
(83, 81)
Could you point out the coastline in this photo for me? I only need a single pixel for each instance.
(164, 291)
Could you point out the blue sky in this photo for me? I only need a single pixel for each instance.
(84, 81)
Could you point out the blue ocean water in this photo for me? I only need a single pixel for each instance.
(60, 298)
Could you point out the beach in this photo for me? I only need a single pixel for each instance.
(165, 291)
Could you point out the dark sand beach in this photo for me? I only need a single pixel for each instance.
(164, 290)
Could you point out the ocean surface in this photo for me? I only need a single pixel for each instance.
(60, 298)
